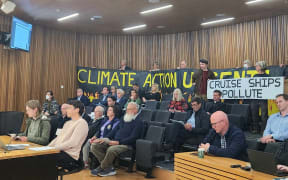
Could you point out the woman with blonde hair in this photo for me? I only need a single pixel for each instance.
(153, 95)
(178, 103)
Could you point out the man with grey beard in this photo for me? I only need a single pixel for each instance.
(118, 141)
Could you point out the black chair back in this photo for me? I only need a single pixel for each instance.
(162, 116)
(152, 105)
(164, 105)
(236, 120)
(146, 115)
(54, 125)
(88, 109)
(10, 122)
(180, 116)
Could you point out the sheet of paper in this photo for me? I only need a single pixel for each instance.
(26, 145)
(44, 148)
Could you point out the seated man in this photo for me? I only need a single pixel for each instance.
(118, 141)
(71, 137)
(216, 105)
(195, 128)
(63, 118)
(94, 125)
(103, 98)
(81, 97)
(277, 124)
(225, 140)
(37, 125)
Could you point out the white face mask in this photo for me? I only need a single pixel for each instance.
(245, 66)
(47, 97)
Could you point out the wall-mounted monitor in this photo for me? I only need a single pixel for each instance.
(20, 34)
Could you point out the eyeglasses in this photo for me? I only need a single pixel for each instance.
(214, 124)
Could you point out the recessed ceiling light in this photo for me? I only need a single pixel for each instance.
(160, 27)
(68, 17)
(134, 27)
(156, 9)
(218, 21)
(95, 17)
(253, 1)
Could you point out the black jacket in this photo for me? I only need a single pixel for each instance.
(84, 100)
(94, 127)
(202, 122)
(236, 146)
(127, 132)
(212, 107)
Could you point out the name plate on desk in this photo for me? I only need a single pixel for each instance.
(247, 88)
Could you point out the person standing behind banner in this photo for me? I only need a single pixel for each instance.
(183, 65)
(155, 66)
(201, 77)
(124, 66)
(256, 125)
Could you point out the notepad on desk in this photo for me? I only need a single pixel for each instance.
(44, 148)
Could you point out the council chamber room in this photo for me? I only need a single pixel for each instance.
(141, 89)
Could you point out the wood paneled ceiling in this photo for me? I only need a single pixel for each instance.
(185, 15)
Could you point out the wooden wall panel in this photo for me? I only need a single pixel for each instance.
(55, 54)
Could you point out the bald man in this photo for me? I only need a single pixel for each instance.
(224, 139)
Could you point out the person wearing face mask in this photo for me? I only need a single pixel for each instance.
(246, 64)
(50, 106)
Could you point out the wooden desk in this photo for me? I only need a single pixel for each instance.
(187, 166)
(27, 164)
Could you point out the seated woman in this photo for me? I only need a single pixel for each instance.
(37, 125)
(109, 123)
(133, 98)
(178, 103)
(50, 106)
(153, 95)
(71, 138)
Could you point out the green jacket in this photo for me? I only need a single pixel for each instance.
(37, 131)
(138, 101)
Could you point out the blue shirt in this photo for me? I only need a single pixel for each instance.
(277, 126)
(191, 120)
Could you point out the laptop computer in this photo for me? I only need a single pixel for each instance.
(264, 162)
(11, 147)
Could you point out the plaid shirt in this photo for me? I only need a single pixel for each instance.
(223, 142)
(179, 105)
